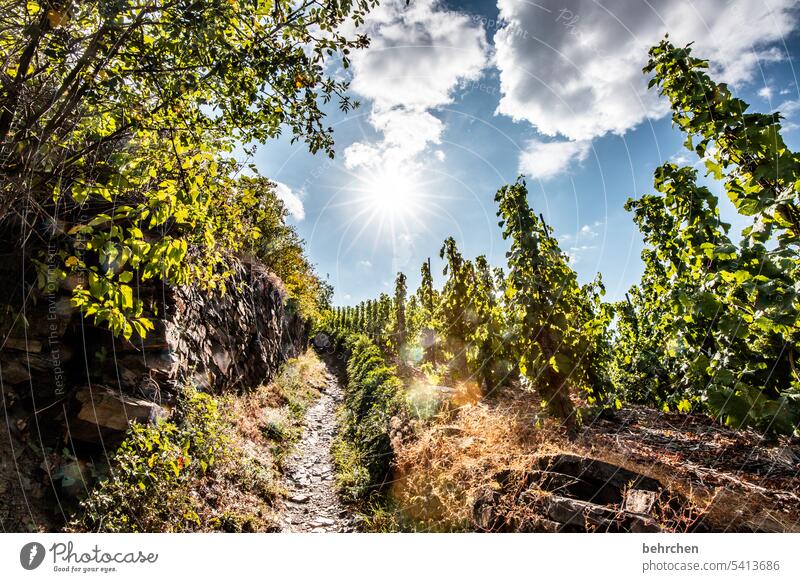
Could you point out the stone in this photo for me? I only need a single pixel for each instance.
(23, 345)
(164, 336)
(13, 371)
(76, 478)
(586, 515)
(588, 478)
(485, 514)
(640, 501)
(103, 411)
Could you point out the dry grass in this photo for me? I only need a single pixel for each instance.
(735, 480)
(458, 456)
(473, 444)
(241, 494)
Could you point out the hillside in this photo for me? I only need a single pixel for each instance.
(173, 359)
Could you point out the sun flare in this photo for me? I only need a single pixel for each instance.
(390, 193)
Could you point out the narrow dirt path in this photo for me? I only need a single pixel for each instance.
(312, 504)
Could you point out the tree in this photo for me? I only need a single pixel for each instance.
(116, 123)
(399, 335)
(384, 315)
(487, 334)
(426, 292)
(413, 316)
(428, 300)
(726, 314)
(279, 247)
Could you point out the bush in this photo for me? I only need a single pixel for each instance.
(374, 394)
(152, 471)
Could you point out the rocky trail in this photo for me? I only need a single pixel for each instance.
(312, 504)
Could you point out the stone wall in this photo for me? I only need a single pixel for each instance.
(231, 341)
(69, 384)
(219, 342)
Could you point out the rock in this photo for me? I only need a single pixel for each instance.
(485, 514)
(13, 371)
(590, 479)
(21, 344)
(570, 493)
(76, 478)
(103, 412)
(299, 498)
(640, 501)
(582, 514)
(164, 336)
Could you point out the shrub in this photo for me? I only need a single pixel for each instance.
(152, 470)
(374, 394)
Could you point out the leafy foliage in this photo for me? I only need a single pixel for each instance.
(374, 395)
(117, 120)
(555, 333)
(454, 309)
(489, 356)
(723, 316)
(399, 327)
(152, 468)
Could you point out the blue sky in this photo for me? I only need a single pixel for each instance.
(460, 98)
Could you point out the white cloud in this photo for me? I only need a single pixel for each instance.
(545, 160)
(577, 245)
(406, 134)
(418, 56)
(292, 200)
(584, 233)
(365, 264)
(765, 93)
(790, 110)
(576, 253)
(574, 68)
(403, 252)
(680, 159)
(440, 155)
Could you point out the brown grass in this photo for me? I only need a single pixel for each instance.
(475, 443)
(241, 494)
(457, 457)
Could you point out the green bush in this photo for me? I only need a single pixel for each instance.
(151, 473)
(374, 394)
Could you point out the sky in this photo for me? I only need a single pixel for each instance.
(459, 98)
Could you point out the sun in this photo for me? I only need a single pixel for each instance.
(391, 194)
(390, 202)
